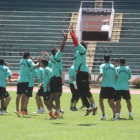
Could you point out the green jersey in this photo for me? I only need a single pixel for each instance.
(47, 74)
(109, 73)
(72, 73)
(80, 59)
(10, 73)
(31, 78)
(39, 74)
(56, 62)
(50, 64)
(25, 67)
(4, 74)
(124, 74)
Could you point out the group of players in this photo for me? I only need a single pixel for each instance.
(114, 82)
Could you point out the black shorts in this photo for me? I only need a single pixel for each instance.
(82, 80)
(122, 93)
(22, 88)
(30, 91)
(40, 92)
(6, 94)
(107, 93)
(46, 96)
(56, 84)
(2, 91)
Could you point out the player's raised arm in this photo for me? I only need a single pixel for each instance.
(64, 40)
(80, 46)
(73, 36)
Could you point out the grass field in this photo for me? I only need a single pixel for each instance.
(74, 126)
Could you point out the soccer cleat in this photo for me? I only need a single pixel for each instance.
(58, 115)
(52, 116)
(43, 110)
(114, 118)
(38, 112)
(1, 112)
(71, 108)
(95, 111)
(74, 109)
(17, 113)
(88, 112)
(23, 113)
(103, 117)
(131, 117)
(61, 111)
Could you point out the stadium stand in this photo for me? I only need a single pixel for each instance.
(36, 25)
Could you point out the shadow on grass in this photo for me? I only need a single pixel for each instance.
(27, 117)
(3, 115)
(33, 115)
(58, 123)
(86, 124)
(6, 114)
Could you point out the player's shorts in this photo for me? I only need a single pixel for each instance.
(122, 93)
(107, 93)
(30, 91)
(115, 96)
(40, 92)
(2, 91)
(82, 81)
(6, 94)
(22, 88)
(46, 96)
(56, 85)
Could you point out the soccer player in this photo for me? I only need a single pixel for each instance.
(73, 88)
(4, 74)
(26, 65)
(56, 80)
(30, 86)
(49, 58)
(7, 100)
(7, 96)
(39, 74)
(122, 88)
(44, 54)
(82, 77)
(47, 74)
(108, 74)
(116, 63)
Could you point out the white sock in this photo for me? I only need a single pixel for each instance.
(94, 105)
(89, 108)
(130, 113)
(117, 114)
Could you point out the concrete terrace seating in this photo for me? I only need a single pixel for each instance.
(36, 24)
